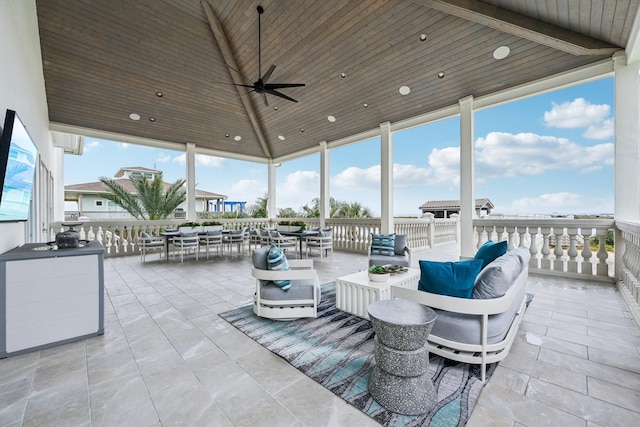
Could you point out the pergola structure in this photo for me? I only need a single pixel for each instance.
(184, 75)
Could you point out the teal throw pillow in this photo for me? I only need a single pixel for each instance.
(454, 279)
(490, 251)
(383, 244)
(277, 261)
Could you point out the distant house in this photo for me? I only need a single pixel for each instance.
(89, 203)
(444, 208)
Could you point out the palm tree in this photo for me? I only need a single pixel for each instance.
(313, 211)
(150, 202)
(354, 210)
(259, 208)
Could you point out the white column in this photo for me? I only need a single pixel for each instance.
(191, 181)
(325, 196)
(467, 176)
(627, 135)
(627, 150)
(386, 178)
(271, 190)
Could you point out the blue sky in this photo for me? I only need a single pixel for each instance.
(552, 153)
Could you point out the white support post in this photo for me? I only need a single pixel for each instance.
(386, 178)
(271, 190)
(325, 196)
(467, 177)
(627, 148)
(191, 181)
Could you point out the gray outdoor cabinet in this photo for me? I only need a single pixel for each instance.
(50, 296)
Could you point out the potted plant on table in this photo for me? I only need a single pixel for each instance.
(190, 227)
(378, 273)
(211, 226)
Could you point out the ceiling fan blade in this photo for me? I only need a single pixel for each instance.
(282, 85)
(264, 98)
(281, 95)
(249, 86)
(268, 74)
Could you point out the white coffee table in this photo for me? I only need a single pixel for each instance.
(355, 292)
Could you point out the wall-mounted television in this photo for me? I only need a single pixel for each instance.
(18, 160)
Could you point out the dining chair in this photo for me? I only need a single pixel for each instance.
(323, 243)
(150, 243)
(185, 243)
(212, 239)
(284, 242)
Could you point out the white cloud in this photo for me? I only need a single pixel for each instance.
(201, 160)
(355, 178)
(562, 203)
(91, 145)
(123, 145)
(581, 114)
(163, 158)
(247, 190)
(209, 161)
(502, 154)
(299, 188)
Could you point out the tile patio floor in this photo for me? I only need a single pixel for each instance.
(167, 358)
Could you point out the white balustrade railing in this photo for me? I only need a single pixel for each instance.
(628, 271)
(557, 246)
(120, 237)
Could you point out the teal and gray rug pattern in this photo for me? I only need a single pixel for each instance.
(336, 350)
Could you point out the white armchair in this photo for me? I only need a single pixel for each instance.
(302, 298)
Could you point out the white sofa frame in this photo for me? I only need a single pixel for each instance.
(301, 269)
(482, 353)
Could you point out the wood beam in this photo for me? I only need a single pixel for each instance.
(225, 49)
(522, 26)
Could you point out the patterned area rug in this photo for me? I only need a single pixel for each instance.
(336, 350)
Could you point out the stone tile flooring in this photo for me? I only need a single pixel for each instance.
(166, 358)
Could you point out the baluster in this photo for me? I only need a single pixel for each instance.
(586, 267)
(511, 237)
(521, 237)
(572, 252)
(533, 248)
(558, 264)
(602, 269)
(545, 263)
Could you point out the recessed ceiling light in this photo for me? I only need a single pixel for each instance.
(423, 37)
(404, 90)
(159, 94)
(365, 105)
(152, 119)
(440, 75)
(226, 135)
(134, 116)
(331, 119)
(501, 52)
(281, 138)
(275, 108)
(343, 75)
(237, 138)
(301, 129)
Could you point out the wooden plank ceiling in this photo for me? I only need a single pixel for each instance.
(106, 59)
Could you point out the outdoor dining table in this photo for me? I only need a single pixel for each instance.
(300, 236)
(168, 237)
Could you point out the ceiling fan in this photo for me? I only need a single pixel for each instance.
(261, 86)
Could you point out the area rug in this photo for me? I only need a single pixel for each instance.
(336, 350)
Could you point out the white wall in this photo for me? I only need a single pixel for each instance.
(22, 89)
